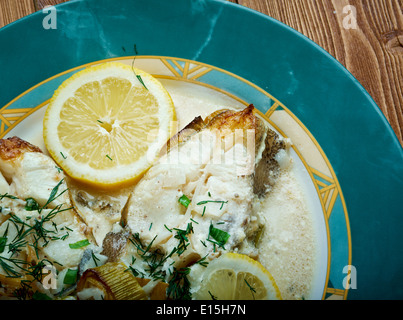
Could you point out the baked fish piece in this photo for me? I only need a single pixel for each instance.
(211, 164)
(33, 174)
(30, 173)
(99, 209)
(38, 225)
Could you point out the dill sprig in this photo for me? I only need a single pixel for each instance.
(137, 75)
(9, 266)
(200, 203)
(252, 290)
(179, 285)
(182, 236)
(34, 234)
(154, 258)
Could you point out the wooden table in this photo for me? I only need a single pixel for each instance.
(366, 36)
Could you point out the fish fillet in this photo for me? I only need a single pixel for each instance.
(213, 163)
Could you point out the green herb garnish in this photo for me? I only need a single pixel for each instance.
(184, 200)
(6, 195)
(212, 201)
(79, 244)
(37, 234)
(31, 204)
(3, 241)
(253, 290)
(40, 296)
(221, 237)
(213, 297)
(71, 276)
(137, 75)
(179, 285)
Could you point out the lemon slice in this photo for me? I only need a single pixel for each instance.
(233, 276)
(106, 124)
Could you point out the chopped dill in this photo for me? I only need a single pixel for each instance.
(137, 75)
(202, 261)
(212, 296)
(37, 234)
(179, 285)
(181, 235)
(3, 242)
(212, 201)
(94, 258)
(253, 290)
(6, 195)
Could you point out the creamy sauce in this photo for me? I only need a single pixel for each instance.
(288, 244)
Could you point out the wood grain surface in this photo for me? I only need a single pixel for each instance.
(366, 36)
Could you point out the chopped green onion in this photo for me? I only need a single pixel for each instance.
(79, 244)
(40, 296)
(31, 204)
(184, 200)
(70, 277)
(219, 235)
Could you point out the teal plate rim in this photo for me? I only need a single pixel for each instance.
(354, 134)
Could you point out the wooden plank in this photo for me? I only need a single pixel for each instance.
(11, 10)
(372, 52)
(40, 4)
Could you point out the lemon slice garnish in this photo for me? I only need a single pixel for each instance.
(106, 124)
(233, 276)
